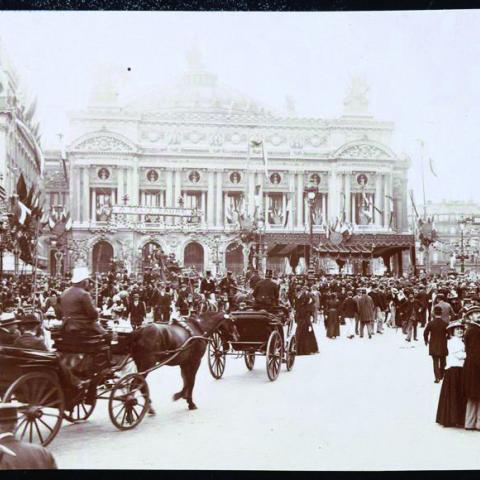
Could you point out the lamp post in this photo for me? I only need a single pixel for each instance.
(216, 257)
(462, 223)
(311, 190)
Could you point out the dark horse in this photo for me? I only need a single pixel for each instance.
(156, 343)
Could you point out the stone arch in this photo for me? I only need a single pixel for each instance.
(234, 257)
(194, 256)
(102, 256)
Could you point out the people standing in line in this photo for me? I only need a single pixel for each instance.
(435, 336)
(452, 402)
(349, 310)
(17, 455)
(471, 371)
(366, 312)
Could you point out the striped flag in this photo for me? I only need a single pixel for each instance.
(68, 222)
(22, 212)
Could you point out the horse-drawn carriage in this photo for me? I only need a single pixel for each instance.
(110, 367)
(261, 333)
(40, 381)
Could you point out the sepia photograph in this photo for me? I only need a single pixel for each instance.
(240, 240)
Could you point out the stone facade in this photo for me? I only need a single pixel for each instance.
(194, 141)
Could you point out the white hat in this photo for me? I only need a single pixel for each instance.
(80, 274)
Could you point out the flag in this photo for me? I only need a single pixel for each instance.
(430, 163)
(68, 222)
(29, 199)
(51, 222)
(22, 188)
(288, 207)
(261, 143)
(31, 110)
(22, 212)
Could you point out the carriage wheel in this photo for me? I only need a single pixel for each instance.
(80, 411)
(274, 355)
(216, 356)
(40, 420)
(249, 360)
(291, 353)
(129, 401)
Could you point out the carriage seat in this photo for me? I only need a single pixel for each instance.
(78, 343)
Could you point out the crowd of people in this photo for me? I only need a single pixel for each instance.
(355, 307)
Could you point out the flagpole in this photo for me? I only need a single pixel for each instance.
(422, 162)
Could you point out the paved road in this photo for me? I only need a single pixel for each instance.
(360, 404)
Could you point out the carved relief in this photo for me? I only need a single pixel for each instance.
(104, 144)
(364, 151)
(315, 140)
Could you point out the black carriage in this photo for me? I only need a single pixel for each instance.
(40, 382)
(260, 334)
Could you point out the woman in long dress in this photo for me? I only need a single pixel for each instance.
(333, 319)
(452, 402)
(305, 336)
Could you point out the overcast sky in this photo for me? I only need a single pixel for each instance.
(423, 69)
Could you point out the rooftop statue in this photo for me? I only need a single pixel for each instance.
(356, 100)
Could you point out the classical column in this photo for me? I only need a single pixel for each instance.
(324, 207)
(354, 208)
(75, 193)
(86, 194)
(299, 202)
(177, 191)
(93, 210)
(332, 195)
(378, 199)
(284, 207)
(219, 200)
(386, 201)
(168, 194)
(120, 191)
(211, 199)
(251, 192)
(225, 202)
(142, 203)
(135, 184)
(203, 203)
(348, 215)
(291, 198)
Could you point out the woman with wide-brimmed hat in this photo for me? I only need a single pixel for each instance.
(452, 402)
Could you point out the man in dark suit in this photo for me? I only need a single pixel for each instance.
(435, 336)
(138, 311)
(207, 285)
(164, 305)
(266, 293)
(15, 455)
(422, 299)
(79, 313)
(30, 334)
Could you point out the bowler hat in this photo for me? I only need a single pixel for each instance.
(29, 319)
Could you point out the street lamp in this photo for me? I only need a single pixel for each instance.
(311, 190)
(462, 223)
(216, 258)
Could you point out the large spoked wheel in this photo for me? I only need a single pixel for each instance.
(129, 401)
(291, 353)
(249, 360)
(274, 355)
(216, 356)
(80, 411)
(40, 420)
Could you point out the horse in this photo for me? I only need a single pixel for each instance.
(155, 343)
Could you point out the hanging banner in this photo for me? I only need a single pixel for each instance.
(161, 211)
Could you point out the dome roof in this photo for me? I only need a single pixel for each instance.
(197, 91)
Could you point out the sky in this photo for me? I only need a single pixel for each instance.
(423, 69)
